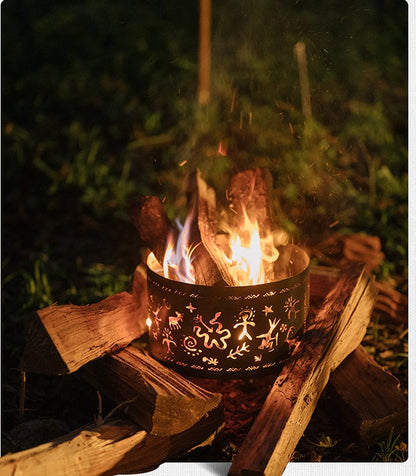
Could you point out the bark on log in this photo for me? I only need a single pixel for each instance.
(390, 302)
(368, 398)
(61, 339)
(157, 398)
(322, 279)
(152, 223)
(116, 447)
(251, 191)
(335, 332)
(249, 196)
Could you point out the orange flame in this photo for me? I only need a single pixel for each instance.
(249, 253)
(177, 262)
(250, 256)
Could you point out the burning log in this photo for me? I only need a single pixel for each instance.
(152, 223)
(335, 332)
(250, 193)
(116, 447)
(207, 226)
(158, 399)
(369, 398)
(61, 339)
(206, 271)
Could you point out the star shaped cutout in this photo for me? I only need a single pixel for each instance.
(267, 310)
(190, 307)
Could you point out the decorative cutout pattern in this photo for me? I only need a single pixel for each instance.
(225, 330)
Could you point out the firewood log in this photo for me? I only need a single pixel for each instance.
(116, 447)
(152, 223)
(250, 191)
(367, 397)
(63, 338)
(207, 227)
(157, 398)
(335, 332)
(206, 270)
(389, 303)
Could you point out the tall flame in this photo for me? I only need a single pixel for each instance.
(177, 262)
(250, 257)
(249, 253)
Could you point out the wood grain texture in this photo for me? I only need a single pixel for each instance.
(157, 398)
(116, 447)
(151, 221)
(63, 338)
(367, 397)
(334, 333)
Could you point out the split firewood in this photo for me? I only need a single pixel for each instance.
(152, 223)
(62, 338)
(116, 447)
(206, 271)
(250, 192)
(392, 303)
(364, 249)
(334, 333)
(367, 397)
(249, 197)
(322, 279)
(389, 302)
(207, 223)
(157, 398)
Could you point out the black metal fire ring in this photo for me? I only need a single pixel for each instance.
(228, 332)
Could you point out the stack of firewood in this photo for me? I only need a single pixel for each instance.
(166, 414)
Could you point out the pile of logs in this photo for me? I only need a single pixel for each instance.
(166, 414)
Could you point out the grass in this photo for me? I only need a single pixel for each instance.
(394, 449)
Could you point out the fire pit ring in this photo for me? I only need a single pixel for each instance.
(228, 332)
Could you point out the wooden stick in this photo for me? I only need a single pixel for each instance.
(157, 398)
(367, 397)
(61, 339)
(204, 52)
(300, 52)
(116, 447)
(335, 332)
(389, 302)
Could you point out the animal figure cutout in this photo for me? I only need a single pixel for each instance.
(267, 340)
(174, 321)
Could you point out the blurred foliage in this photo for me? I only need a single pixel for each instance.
(99, 105)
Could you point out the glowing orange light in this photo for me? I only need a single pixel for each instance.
(250, 257)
